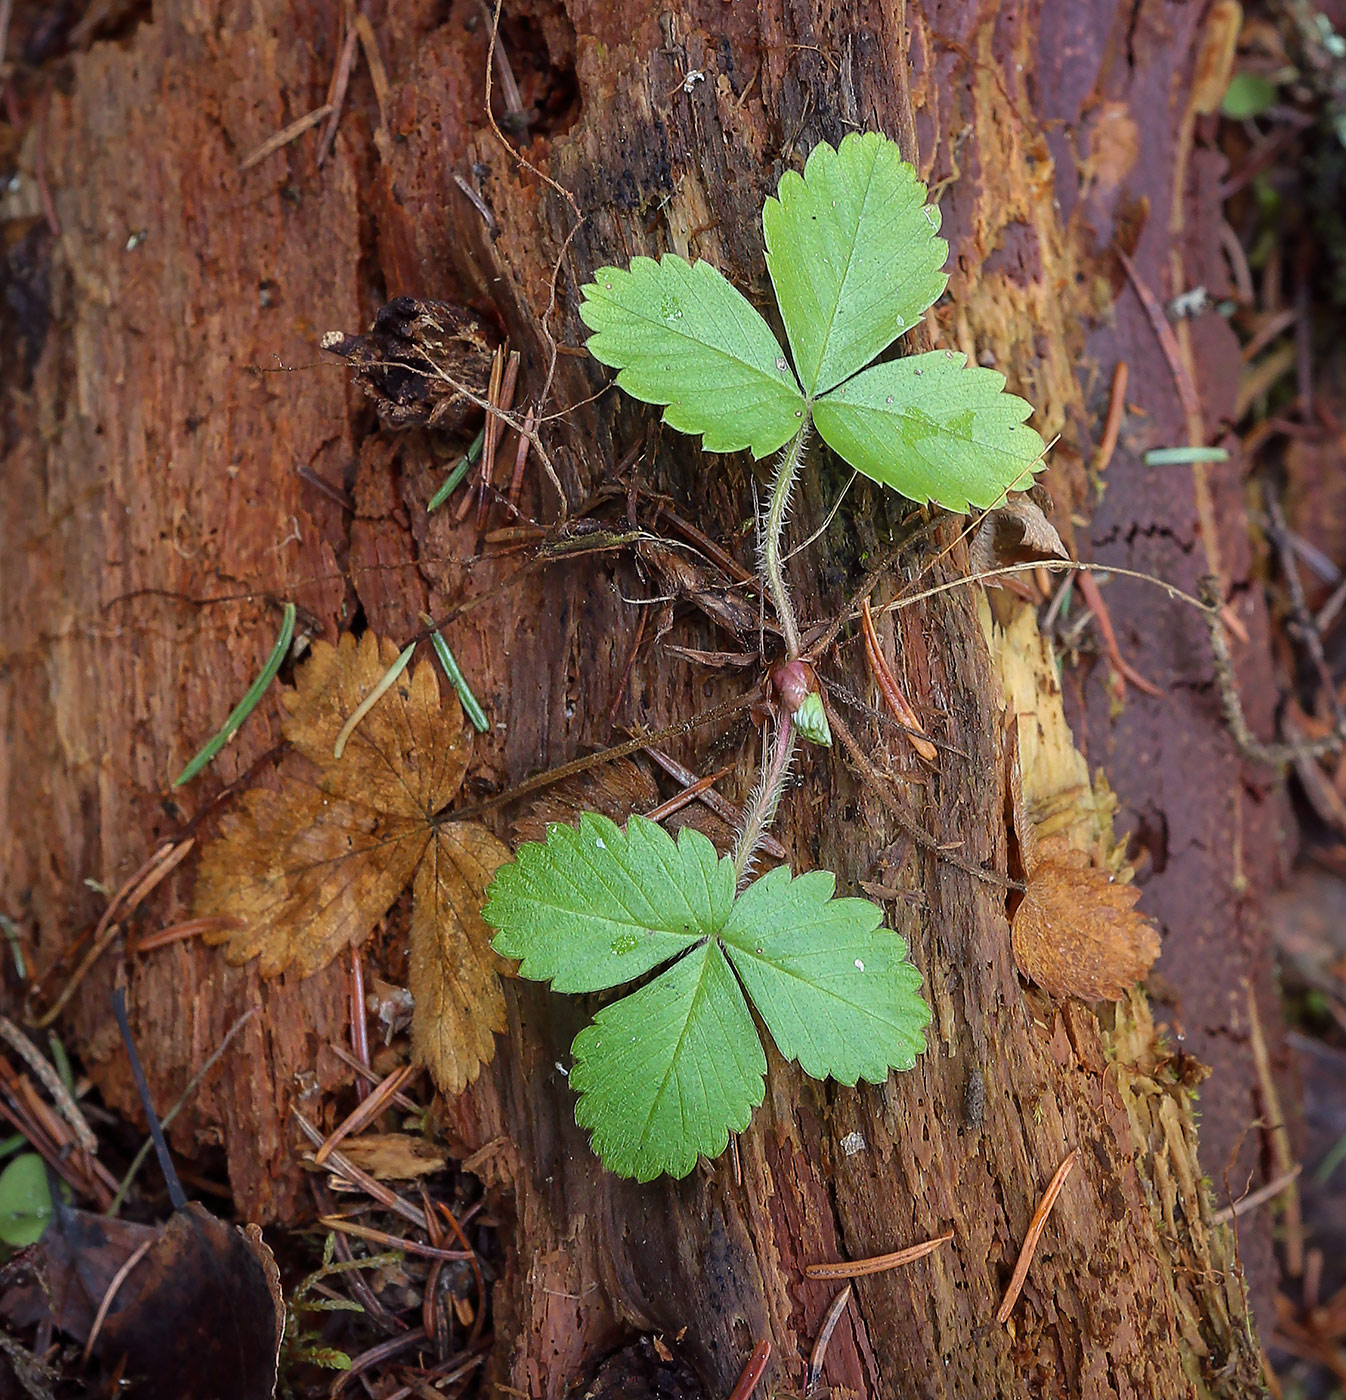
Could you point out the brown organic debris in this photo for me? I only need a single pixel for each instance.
(1077, 932)
(394, 1156)
(308, 869)
(424, 363)
(1016, 533)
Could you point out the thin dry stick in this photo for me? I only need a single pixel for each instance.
(493, 416)
(1282, 1155)
(752, 1372)
(46, 1072)
(521, 458)
(1093, 598)
(687, 796)
(1273, 755)
(819, 1353)
(285, 135)
(1031, 1239)
(890, 690)
(340, 82)
(378, 74)
(494, 431)
(726, 710)
(880, 1263)
(362, 1113)
(359, 1019)
(367, 1232)
(1253, 1199)
(343, 1166)
(131, 893)
(500, 136)
(1112, 424)
(118, 1279)
(369, 1076)
(719, 804)
(179, 933)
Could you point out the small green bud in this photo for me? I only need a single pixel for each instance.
(811, 721)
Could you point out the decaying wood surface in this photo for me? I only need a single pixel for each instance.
(155, 512)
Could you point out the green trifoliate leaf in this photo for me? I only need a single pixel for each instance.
(854, 254)
(665, 1074)
(835, 988)
(679, 334)
(933, 430)
(596, 906)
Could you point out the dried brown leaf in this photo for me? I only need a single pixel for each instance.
(1077, 931)
(394, 1156)
(1015, 533)
(407, 756)
(455, 976)
(309, 869)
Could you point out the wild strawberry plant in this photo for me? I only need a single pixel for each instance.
(666, 1072)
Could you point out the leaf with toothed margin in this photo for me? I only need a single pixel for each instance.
(666, 1073)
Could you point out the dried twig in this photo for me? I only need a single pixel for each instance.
(363, 1113)
(118, 1279)
(367, 1232)
(1093, 598)
(879, 1263)
(336, 98)
(46, 1072)
(1282, 1155)
(720, 805)
(285, 135)
(1030, 1244)
(136, 888)
(1274, 755)
(1267, 1192)
(687, 796)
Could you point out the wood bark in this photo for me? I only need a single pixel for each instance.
(155, 510)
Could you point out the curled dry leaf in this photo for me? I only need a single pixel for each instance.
(1015, 533)
(309, 869)
(1077, 931)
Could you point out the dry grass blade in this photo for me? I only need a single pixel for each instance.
(1030, 1244)
(879, 1263)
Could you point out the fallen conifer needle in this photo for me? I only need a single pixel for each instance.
(819, 1353)
(247, 704)
(890, 690)
(471, 705)
(363, 708)
(860, 1268)
(1034, 1234)
(752, 1372)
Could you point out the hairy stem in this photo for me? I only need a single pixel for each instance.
(773, 527)
(766, 797)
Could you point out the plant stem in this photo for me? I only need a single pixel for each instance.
(766, 798)
(773, 527)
